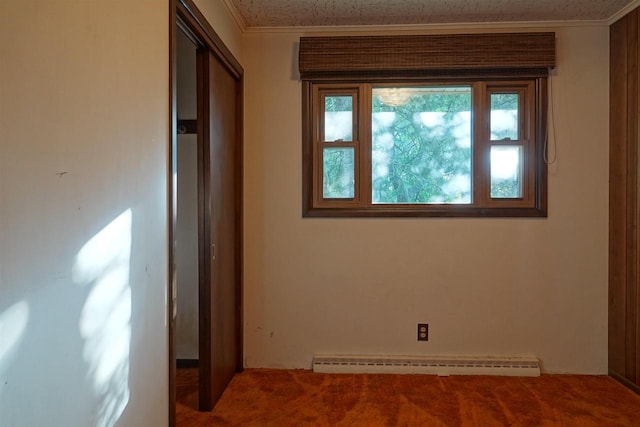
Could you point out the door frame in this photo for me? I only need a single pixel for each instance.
(185, 16)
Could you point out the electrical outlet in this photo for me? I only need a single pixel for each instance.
(423, 332)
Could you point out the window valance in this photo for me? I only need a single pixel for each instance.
(419, 55)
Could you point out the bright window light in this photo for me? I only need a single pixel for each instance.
(102, 266)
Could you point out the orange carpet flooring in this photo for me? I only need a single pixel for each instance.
(266, 397)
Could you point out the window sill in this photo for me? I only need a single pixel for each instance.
(421, 212)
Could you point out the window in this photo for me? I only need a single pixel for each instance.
(399, 143)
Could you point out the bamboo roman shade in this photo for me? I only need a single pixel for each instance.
(327, 57)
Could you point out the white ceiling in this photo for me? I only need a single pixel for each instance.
(297, 13)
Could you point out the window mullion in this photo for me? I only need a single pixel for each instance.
(480, 144)
(365, 118)
(531, 137)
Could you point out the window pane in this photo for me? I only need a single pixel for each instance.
(504, 116)
(338, 173)
(338, 118)
(506, 171)
(421, 145)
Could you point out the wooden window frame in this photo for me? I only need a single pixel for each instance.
(320, 143)
(526, 139)
(532, 128)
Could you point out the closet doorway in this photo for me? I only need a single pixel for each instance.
(206, 327)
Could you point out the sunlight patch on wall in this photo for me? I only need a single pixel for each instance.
(102, 266)
(13, 323)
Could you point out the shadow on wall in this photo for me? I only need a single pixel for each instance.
(94, 339)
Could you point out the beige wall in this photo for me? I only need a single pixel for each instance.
(83, 227)
(486, 286)
(221, 19)
(83, 213)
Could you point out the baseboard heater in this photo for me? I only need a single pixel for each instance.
(434, 365)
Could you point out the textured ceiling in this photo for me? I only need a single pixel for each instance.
(295, 13)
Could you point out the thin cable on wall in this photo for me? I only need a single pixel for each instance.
(553, 128)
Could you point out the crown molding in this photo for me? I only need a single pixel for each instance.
(624, 11)
(240, 22)
(423, 27)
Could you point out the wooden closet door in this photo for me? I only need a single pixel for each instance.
(624, 201)
(220, 228)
